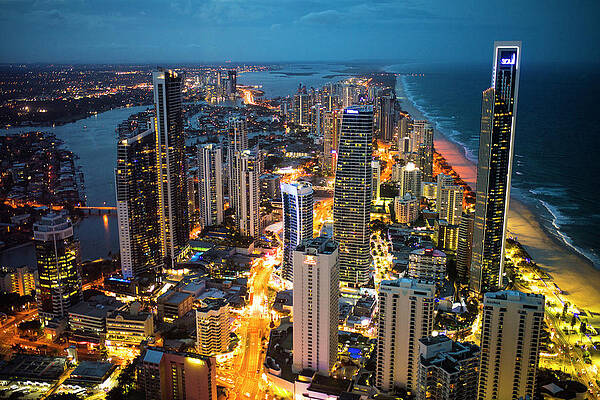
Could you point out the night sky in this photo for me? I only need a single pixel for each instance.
(132, 31)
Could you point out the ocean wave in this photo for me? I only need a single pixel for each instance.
(558, 219)
(550, 191)
(443, 124)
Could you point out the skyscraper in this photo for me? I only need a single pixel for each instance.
(238, 141)
(510, 341)
(316, 297)
(464, 248)
(425, 153)
(171, 165)
(448, 370)
(449, 199)
(405, 316)
(137, 197)
(376, 167)
(210, 184)
(301, 108)
(297, 199)
(410, 180)
(246, 170)
(498, 120)
(386, 117)
(331, 129)
(352, 194)
(59, 276)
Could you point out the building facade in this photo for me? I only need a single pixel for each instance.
(448, 370)
(464, 248)
(494, 169)
(405, 315)
(427, 264)
(168, 375)
(352, 195)
(171, 165)
(449, 199)
(410, 180)
(137, 198)
(510, 344)
(247, 169)
(210, 184)
(297, 200)
(315, 305)
(213, 327)
(406, 208)
(59, 275)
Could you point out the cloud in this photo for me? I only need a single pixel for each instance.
(321, 17)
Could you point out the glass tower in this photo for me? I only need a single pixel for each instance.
(498, 119)
(352, 194)
(59, 277)
(297, 199)
(137, 197)
(172, 171)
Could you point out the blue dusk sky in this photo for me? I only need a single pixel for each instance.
(189, 31)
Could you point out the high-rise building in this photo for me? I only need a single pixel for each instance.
(448, 370)
(427, 264)
(386, 121)
(332, 122)
(405, 316)
(20, 280)
(376, 185)
(59, 276)
(464, 247)
(297, 199)
(317, 120)
(494, 169)
(171, 165)
(449, 199)
(213, 327)
(237, 141)
(168, 375)
(210, 184)
(246, 170)
(425, 153)
(231, 89)
(406, 209)
(410, 180)
(315, 309)
(137, 198)
(352, 194)
(510, 344)
(301, 108)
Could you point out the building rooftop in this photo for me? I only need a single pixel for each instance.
(323, 245)
(174, 298)
(329, 386)
(211, 303)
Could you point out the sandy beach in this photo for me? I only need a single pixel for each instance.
(574, 274)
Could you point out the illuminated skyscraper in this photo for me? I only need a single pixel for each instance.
(464, 249)
(210, 184)
(332, 121)
(137, 197)
(352, 194)
(301, 108)
(386, 117)
(297, 198)
(449, 199)
(494, 169)
(238, 141)
(510, 344)
(59, 276)
(316, 299)
(246, 170)
(376, 179)
(171, 163)
(410, 180)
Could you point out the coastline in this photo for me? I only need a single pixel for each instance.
(573, 273)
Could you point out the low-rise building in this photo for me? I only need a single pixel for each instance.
(129, 326)
(173, 305)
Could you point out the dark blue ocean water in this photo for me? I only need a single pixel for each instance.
(557, 142)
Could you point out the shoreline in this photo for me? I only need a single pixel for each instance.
(572, 272)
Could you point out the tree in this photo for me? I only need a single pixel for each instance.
(583, 328)
(565, 308)
(573, 321)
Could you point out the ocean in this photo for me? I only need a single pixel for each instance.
(557, 140)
